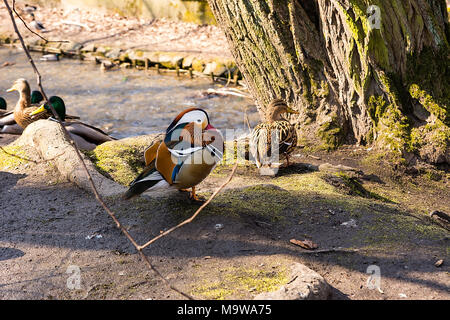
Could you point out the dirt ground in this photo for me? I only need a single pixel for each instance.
(112, 30)
(47, 225)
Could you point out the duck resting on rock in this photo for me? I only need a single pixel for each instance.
(7, 122)
(86, 137)
(15, 122)
(190, 150)
(3, 106)
(276, 127)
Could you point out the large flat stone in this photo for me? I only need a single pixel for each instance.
(305, 284)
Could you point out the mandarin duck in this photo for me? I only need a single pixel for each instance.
(274, 127)
(190, 150)
(86, 137)
(24, 107)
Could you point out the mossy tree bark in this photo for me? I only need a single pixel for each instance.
(356, 74)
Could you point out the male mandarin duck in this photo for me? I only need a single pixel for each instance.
(24, 107)
(188, 153)
(86, 137)
(274, 126)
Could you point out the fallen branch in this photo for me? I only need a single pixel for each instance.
(331, 250)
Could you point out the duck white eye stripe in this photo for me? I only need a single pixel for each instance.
(184, 152)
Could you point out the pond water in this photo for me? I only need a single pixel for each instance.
(123, 102)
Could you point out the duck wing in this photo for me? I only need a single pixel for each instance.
(150, 178)
(287, 136)
(89, 133)
(7, 119)
(260, 143)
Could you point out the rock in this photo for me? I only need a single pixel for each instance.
(103, 50)
(125, 65)
(89, 48)
(170, 60)
(51, 143)
(306, 284)
(70, 47)
(352, 172)
(122, 160)
(113, 53)
(216, 68)
(187, 61)
(420, 112)
(351, 223)
(439, 263)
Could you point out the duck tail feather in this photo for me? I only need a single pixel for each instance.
(146, 180)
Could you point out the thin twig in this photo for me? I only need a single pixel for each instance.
(94, 189)
(196, 212)
(17, 156)
(331, 250)
(28, 159)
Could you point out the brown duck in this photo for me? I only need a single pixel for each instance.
(24, 109)
(261, 145)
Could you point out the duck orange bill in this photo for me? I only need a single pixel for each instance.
(38, 110)
(10, 89)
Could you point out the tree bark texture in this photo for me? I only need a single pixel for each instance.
(358, 71)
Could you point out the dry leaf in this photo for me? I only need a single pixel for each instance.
(305, 244)
(439, 263)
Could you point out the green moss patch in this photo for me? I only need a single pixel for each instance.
(12, 156)
(122, 160)
(238, 282)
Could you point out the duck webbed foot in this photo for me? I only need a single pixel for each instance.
(194, 197)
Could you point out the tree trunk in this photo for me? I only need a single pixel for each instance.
(357, 73)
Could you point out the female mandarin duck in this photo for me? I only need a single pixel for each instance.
(261, 137)
(85, 136)
(189, 151)
(24, 107)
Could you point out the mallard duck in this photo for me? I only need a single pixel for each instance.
(3, 106)
(86, 137)
(50, 57)
(36, 97)
(7, 122)
(38, 26)
(274, 127)
(24, 107)
(190, 150)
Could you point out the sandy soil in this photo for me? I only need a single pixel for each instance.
(127, 33)
(47, 225)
